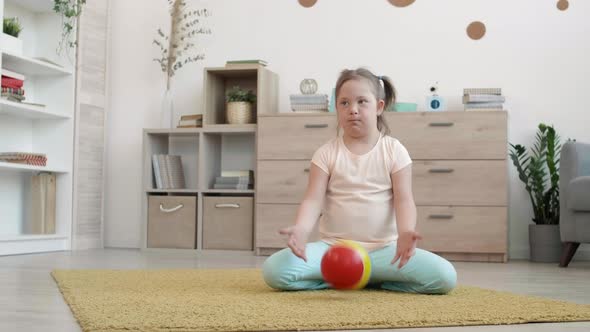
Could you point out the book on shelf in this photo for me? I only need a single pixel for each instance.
(479, 98)
(483, 99)
(43, 204)
(190, 121)
(239, 180)
(245, 63)
(482, 91)
(309, 103)
(168, 171)
(249, 173)
(11, 74)
(28, 158)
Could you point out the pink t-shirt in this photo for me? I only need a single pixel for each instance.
(359, 197)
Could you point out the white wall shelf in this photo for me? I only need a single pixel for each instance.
(28, 111)
(31, 67)
(4, 166)
(43, 124)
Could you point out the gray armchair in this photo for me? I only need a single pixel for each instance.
(574, 193)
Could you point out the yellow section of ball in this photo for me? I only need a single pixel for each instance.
(366, 262)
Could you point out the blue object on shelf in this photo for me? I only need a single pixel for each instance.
(403, 107)
(332, 106)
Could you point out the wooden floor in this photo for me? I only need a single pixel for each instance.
(30, 300)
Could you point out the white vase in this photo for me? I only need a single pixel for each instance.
(10, 44)
(167, 111)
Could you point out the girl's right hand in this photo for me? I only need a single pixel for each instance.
(297, 240)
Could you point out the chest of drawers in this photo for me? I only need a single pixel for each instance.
(459, 177)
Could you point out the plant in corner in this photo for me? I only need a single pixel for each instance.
(69, 10)
(539, 171)
(240, 105)
(174, 47)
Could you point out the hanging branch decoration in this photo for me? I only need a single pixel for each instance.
(69, 10)
(185, 24)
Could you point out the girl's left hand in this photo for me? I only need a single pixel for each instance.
(406, 247)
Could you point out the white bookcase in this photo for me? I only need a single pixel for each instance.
(31, 128)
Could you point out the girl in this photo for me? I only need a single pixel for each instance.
(363, 182)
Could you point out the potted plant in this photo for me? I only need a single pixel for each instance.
(11, 28)
(539, 171)
(240, 106)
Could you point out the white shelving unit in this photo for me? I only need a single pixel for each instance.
(48, 129)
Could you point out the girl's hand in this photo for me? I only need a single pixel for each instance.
(406, 247)
(297, 240)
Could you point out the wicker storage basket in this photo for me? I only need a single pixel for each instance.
(239, 112)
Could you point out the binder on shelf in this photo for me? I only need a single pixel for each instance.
(168, 172)
(43, 202)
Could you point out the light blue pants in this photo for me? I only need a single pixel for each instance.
(425, 272)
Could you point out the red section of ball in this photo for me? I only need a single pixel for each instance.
(342, 267)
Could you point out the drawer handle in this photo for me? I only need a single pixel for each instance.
(441, 124)
(228, 205)
(322, 125)
(440, 216)
(441, 170)
(306, 170)
(170, 210)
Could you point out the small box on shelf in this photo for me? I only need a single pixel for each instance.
(228, 222)
(172, 222)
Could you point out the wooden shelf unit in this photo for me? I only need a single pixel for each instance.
(216, 146)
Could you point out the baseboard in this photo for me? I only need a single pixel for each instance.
(522, 252)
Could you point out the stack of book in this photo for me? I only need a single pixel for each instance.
(240, 180)
(12, 86)
(190, 121)
(28, 158)
(245, 64)
(168, 172)
(483, 99)
(309, 103)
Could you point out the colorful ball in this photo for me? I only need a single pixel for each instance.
(346, 265)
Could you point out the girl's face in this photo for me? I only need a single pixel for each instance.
(358, 108)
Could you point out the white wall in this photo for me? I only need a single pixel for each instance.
(538, 55)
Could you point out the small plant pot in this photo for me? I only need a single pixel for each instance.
(11, 44)
(545, 243)
(239, 112)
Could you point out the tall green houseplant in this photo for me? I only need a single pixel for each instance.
(539, 171)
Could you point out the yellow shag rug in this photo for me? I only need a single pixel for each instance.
(239, 300)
